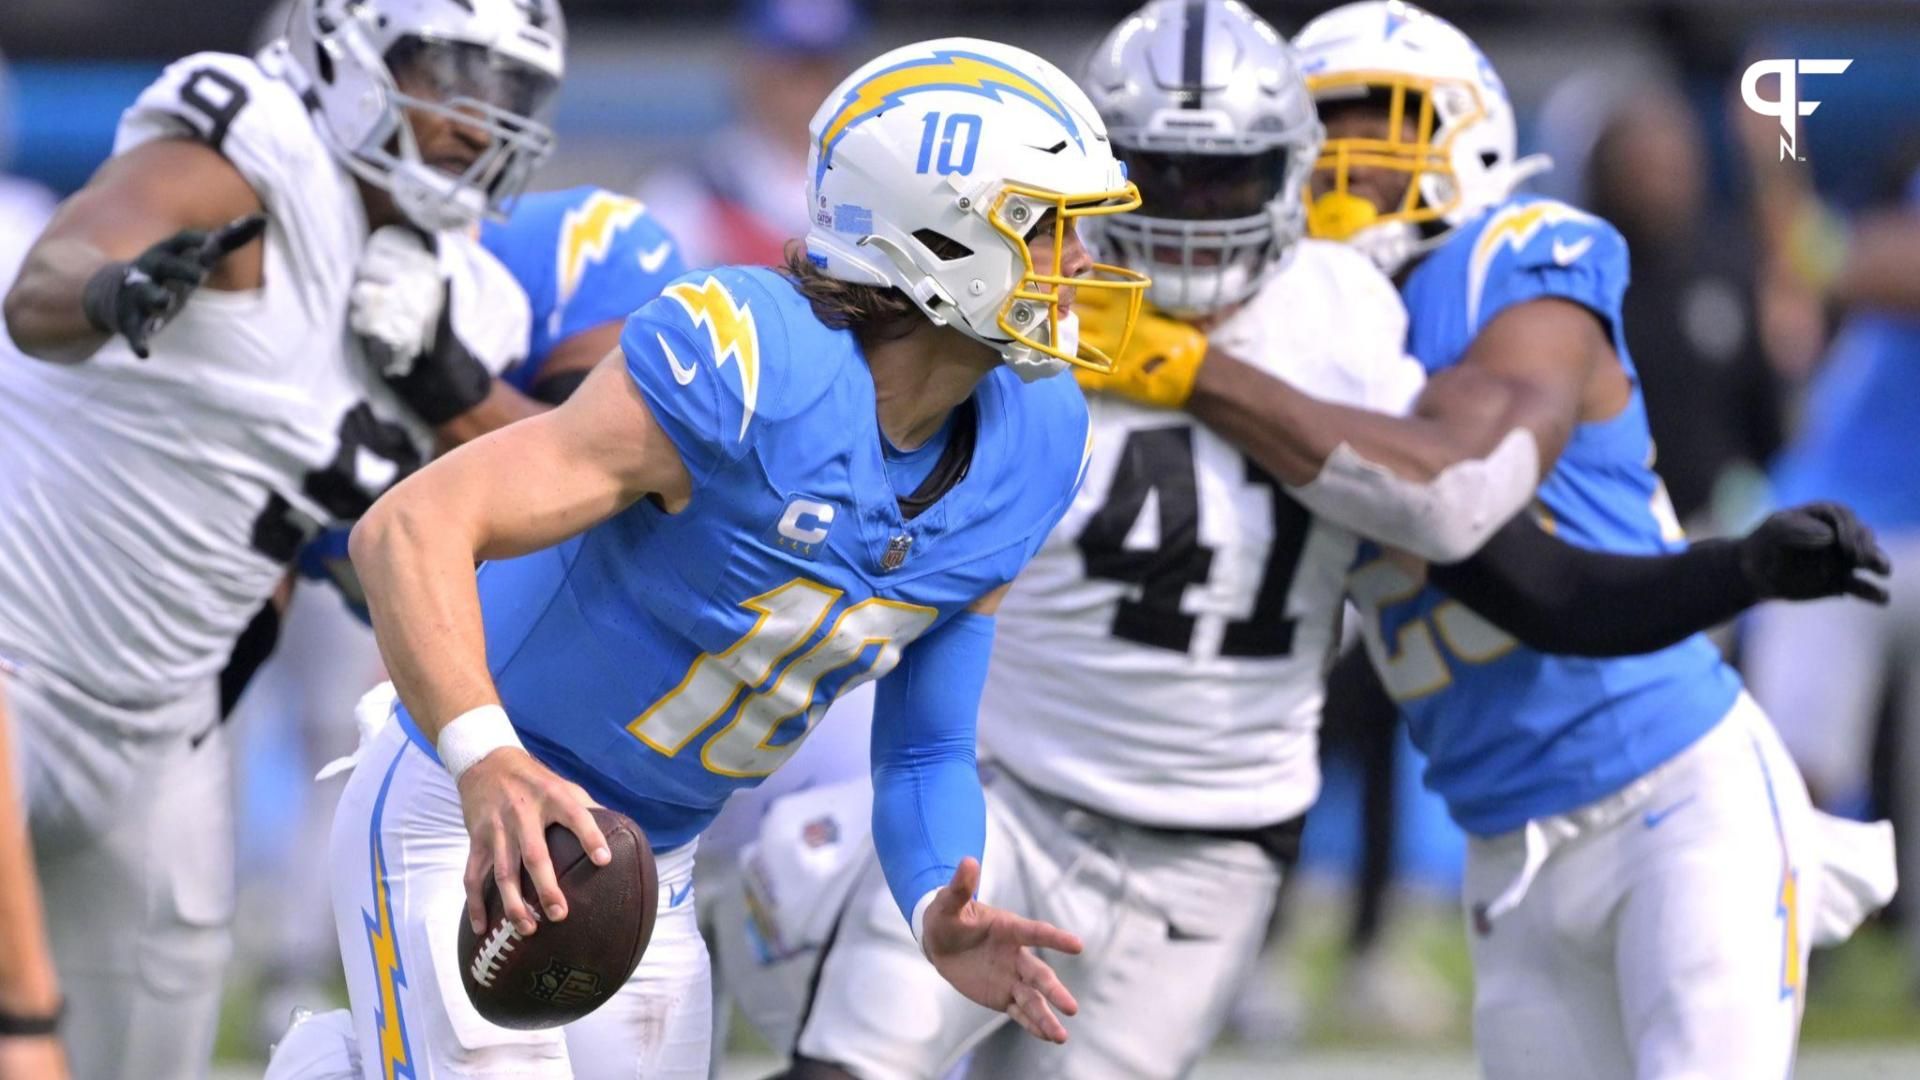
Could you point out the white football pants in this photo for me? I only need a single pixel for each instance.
(133, 834)
(398, 851)
(1662, 932)
(1172, 923)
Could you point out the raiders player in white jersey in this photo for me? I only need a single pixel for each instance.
(1149, 723)
(202, 403)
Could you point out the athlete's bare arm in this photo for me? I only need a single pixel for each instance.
(29, 988)
(524, 487)
(134, 201)
(1539, 366)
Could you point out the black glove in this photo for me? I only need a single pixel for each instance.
(135, 299)
(1811, 552)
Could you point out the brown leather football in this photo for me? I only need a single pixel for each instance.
(565, 970)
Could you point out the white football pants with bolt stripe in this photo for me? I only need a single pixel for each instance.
(1662, 932)
(398, 853)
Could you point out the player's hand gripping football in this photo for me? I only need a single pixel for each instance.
(1160, 362)
(987, 954)
(135, 299)
(1811, 552)
(509, 799)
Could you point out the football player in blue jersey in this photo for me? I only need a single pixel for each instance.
(1644, 873)
(587, 259)
(783, 484)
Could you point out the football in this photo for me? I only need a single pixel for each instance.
(565, 970)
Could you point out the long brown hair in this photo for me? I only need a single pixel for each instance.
(873, 312)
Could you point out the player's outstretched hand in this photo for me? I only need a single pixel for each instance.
(987, 954)
(1814, 551)
(135, 299)
(509, 799)
(1157, 365)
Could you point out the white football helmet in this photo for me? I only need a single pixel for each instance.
(1208, 110)
(931, 166)
(493, 65)
(1422, 70)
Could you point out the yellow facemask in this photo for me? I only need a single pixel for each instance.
(1013, 218)
(1338, 212)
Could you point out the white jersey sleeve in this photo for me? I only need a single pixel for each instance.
(149, 508)
(239, 109)
(1162, 659)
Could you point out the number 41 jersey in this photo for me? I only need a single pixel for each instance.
(1162, 661)
(663, 661)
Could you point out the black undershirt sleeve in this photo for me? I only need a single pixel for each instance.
(1559, 598)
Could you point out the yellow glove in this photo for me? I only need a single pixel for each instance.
(1161, 359)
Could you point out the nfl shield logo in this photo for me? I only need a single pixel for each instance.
(896, 553)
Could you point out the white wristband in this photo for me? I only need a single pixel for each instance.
(473, 735)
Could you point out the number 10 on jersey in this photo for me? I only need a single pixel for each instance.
(788, 618)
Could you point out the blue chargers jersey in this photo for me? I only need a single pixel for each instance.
(585, 256)
(1512, 734)
(663, 661)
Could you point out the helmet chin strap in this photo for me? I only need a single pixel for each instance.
(432, 200)
(1033, 365)
(1390, 244)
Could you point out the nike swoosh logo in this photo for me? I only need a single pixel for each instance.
(682, 373)
(652, 261)
(1566, 254)
(1653, 818)
(675, 896)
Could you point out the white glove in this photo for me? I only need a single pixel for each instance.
(398, 291)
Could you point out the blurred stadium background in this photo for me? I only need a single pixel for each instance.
(1636, 99)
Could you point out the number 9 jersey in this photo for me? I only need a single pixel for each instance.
(149, 508)
(664, 660)
(1162, 660)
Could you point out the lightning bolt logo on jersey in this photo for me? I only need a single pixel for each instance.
(585, 257)
(731, 333)
(664, 660)
(1512, 734)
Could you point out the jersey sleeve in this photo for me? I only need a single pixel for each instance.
(253, 119)
(642, 260)
(1545, 249)
(696, 353)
